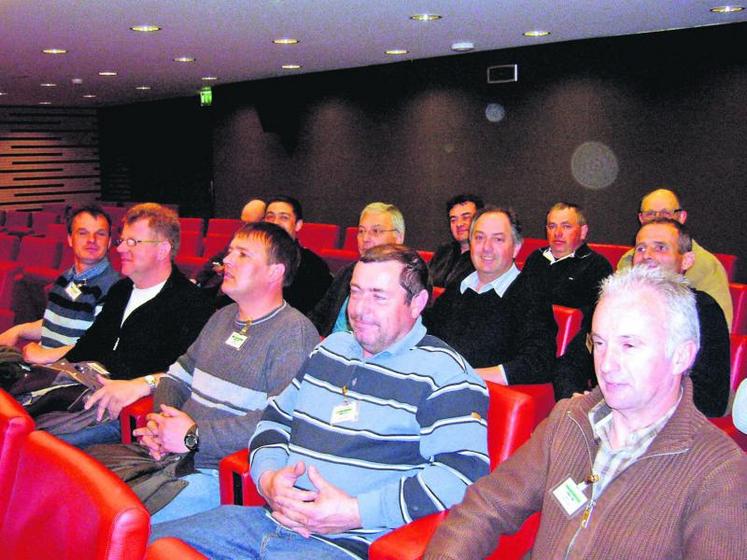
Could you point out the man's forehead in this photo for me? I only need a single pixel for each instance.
(564, 215)
(664, 233)
(280, 208)
(462, 208)
(376, 218)
(660, 200)
(86, 216)
(493, 222)
(377, 275)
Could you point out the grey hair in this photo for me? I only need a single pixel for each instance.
(398, 220)
(513, 221)
(672, 289)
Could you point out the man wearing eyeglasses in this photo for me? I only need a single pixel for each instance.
(148, 321)
(707, 274)
(379, 224)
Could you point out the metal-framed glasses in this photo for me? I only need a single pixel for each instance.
(132, 242)
(373, 232)
(653, 214)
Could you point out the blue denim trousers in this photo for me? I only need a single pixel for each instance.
(201, 494)
(238, 532)
(103, 432)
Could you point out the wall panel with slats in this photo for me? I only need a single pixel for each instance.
(48, 155)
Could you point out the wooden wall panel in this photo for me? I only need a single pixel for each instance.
(48, 155)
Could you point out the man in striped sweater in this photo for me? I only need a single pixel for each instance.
(76, 296)
(381, 426)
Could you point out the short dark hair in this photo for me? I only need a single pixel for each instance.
(562, 205)
(513, 220)
(93, 209)
(294, 202)
(414, 277)
(684, 240)
(281, 248)
(462, 199)
(161, 219)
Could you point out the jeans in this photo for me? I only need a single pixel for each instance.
(202, 494)
(238, 532)
(103, 432)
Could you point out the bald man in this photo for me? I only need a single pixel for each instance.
(707, 274)
(253, 211)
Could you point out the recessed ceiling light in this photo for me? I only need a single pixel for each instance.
(76, 81)
(291, 66)
(397, 51)
(45, 102)
(209, 78)
(89, 96)
(536, 33)
(185, 59)
(727, 9)
(145, 28)
(48, 84)
(54, 51)
(286, 41)
(462, 46)
(142, 88)
(3, 93)
(107, 73)
(425, 17)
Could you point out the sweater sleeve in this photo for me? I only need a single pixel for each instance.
(710, 371)
(453, 441)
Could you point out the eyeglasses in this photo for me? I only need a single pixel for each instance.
(373, 232)
(132, 242)
(653, 214)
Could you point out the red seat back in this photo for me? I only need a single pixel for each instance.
(569, 321)
(40, 220)
(9, 247)
(350, 241)
(39, 252)
(613, 253)
(319, 236)
(191, 224)
(17, 219)
(57, 231)
(190, 244)
(64, 504)
(426, 255)
(738, 360)
(730, 264)
(528, 246)
(15, 425)
(739, 304)
(511, 419)
(9, 272)
(338, 258)
(223, 226)
(214, 244)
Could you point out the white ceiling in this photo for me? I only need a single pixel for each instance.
(232, 39)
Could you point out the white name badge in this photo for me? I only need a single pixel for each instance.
(236, 340)
(345, 412)
(570, 496)
(73, 291)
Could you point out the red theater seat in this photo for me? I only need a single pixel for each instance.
(64, 504)
(190, 244)
(57, 232)
(730, 264)
(214, 244)
(569, 321)
(738, 374)
(529, 246)
(40, 221)
(319, 236)
(739, 304)
(191, 224)
(338, 258)
(223, 226)
(133, 416)
(350, 241)
(39, 252)
(17, 222)
(426, 255)
(8, 247)
(610, 251)
(15, 425)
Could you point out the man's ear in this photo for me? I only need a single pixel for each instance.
(584, 232)
(517, 248)
(277, 272)
(418, 303)
(400, 237)
(682, 216)
(299, 225)
(684, 356)
(688, 259)
(164, 251)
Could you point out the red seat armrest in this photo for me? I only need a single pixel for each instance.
(133, 416)
(236, 485)
(408, 542)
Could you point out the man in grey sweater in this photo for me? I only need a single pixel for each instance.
(210, 400)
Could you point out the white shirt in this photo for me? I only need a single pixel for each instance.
(500, 284)
(139, 296)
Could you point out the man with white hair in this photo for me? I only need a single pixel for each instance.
(630, 470)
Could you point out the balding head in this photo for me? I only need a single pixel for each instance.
(661, 203)
(253, 211)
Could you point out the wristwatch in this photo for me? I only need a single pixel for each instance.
(152, 383)
(192, 438)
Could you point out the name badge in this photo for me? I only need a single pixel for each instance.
(236, 340)
(345, 412)
(570, 496)
(73, 291)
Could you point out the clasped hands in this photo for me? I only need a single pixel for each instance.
(164, 432)
(325, 510)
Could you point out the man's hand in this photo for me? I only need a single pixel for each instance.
(494, 374)
(170, 427)
(148, 437)
(35, 353)
(10, 337)
(278, 489)
(332, 511)
(114, 395)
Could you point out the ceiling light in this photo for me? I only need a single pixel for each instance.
(536, 33)
(45, 102)
(291, 66)
(286, 41)
(397, 51)
(107, 73)
(3, 93)
(54, 51)
(142, 88)
(89, 96)
(145, 28)
(77, 81)
(727, 9)
(185, 59)
(462, 46)
(209, 78)
(425, 17)
(48, 84)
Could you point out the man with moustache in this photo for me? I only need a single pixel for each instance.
(498, 318)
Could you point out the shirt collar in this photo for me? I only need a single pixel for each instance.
(414, 335)
(92, 272)
(547, 253)
(500, 284)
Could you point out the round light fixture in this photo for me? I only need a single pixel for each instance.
(291, 66)
(536, 33)
(145, 28)
(425, 17)
(209, 78)
(107, 73)
(142, 88)
(54, 51)
(462, 46)
(727, 9)
(3, 93)
(286, 41)
(45, 102)
(185, 59)
(395, 52)
(48, 84)
(89, 96)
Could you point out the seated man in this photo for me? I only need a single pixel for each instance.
(379, 223)
(739, 411)
(572, 270)
(381, 426)
(149, 319)
(451, 262)
(666, 244)
(631, 470)
(501, 320)
(707, 274)
(313, 277)
(76, 296)
(212, 397)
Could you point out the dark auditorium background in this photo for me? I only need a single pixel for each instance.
(670, 106)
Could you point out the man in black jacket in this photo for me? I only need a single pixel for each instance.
(149, 319)
(498, 318)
